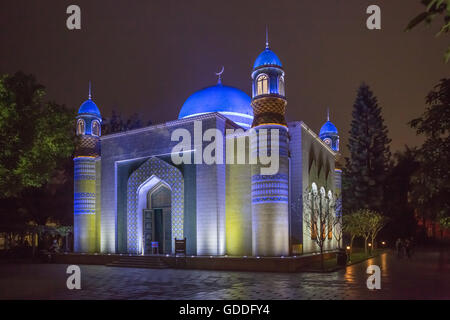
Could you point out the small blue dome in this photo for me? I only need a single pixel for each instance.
(228, 101)
(267, 57)
(89, 107)
(328, 127)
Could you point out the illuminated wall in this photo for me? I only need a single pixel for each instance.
(270, 202)
(85, 191)
(210, 184)
(318, 167)
(238, 204)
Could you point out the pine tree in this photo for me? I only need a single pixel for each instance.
(366, 169)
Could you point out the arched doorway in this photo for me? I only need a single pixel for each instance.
(157, 220)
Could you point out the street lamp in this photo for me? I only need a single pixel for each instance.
(348, 254)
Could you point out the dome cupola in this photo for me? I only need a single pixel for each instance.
(268, 74)
(268, 89)
(89, 118)
(226, 100)
(329, 134)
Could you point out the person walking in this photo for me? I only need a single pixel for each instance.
(399, 247)
(408, 248)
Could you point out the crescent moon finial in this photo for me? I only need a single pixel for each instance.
(219, 74)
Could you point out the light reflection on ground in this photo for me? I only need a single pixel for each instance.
(425, 276)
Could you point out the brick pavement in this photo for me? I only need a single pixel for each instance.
(426, 276)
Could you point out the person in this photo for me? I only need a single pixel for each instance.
(411, 243)
(399, 247)
(54, 248)
(408, 248)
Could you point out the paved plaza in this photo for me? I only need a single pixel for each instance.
(425, 276)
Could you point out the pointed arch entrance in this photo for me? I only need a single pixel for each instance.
(144, 186)
(157, 219)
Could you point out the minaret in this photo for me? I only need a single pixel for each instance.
(329, 135)
(270, 193)
(87, 178)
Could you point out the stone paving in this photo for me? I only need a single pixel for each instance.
(425, 276)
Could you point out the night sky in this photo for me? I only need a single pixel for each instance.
(149, 56)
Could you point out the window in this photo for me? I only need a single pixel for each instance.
(281, 86)
(95, 128)
(262, 84)
(80, 126)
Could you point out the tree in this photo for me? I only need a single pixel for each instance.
(434, 8)
(317, 216)
(397, 193)
(430, 188)
(36, 146)
(366, 169)
(364, 226)
(376, 222)
(35, 136)
(116, 124)
(352, 227)
(338, 228)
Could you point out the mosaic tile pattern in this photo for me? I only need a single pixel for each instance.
(84, 186)
(171, 176)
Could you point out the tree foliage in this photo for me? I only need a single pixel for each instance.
(116, 124)
(397, 205)
(433, 9)
(35, 136)
(430, 192)
(364, 223)
(366, 168)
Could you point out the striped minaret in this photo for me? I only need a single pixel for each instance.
(270, 193)
(87, 178)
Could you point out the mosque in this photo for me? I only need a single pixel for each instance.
(129, 193)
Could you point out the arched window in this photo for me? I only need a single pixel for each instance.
(95, 128)
(314, 188)
(281, 86)
(313, 213)
(80, 126)
(262, 84)
(330, 219)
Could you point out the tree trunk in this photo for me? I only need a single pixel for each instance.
(351, 248)
(365, 245)
(372, 248)
(351, 244)
(321, 258)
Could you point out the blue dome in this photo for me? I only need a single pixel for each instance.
(328, 127)
(267, 57)
(228, 101)
(90, 107)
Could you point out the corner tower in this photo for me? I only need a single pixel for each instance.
(329, 134)
(270, 193)
(87, 178)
